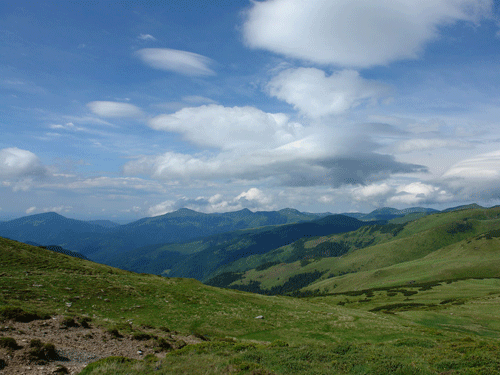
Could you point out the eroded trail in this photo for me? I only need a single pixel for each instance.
(75, 346)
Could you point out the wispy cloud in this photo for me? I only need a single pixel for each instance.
(146, 37)
(420, 144)
(114, 109)
(183, 62)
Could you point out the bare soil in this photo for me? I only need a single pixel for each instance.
(76, 347)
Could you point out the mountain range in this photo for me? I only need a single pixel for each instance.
(377, 297)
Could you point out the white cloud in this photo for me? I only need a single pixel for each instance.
(161, 208)
(372, 192)
(17, 163)
(67, 126)
(146, 37)
(30, 210)
(58, 209)
(485, 167)
(114, 109)
(358, 33)
(197, 99)
(253, 198)
(228, 128)
(311, 92)
(291, 168)
(430, 144)
(182, 62)
(249, 144)
(418, 193)
(400, 194)
(110, 183)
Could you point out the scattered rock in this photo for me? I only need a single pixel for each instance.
(259, 317)
(75, 348)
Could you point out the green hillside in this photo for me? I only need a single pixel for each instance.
(440, 330)
(367, 249)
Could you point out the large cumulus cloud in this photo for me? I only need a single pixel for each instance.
(358, 33)
(249, 144)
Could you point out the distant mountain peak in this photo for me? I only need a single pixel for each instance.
(289, 210)
(46, 215)
(185, 212)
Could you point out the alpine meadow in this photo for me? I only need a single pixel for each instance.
(251, 187)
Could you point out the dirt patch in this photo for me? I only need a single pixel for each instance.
(56, 346)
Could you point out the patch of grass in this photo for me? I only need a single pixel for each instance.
(8, 343)
(19, 315)
(42, 351)
(113, 331)
(141, 336)
(68, 322)
(115, 362)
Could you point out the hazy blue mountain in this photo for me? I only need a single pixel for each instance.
(356, 215)
(104, 223)
(413, 210)
(463, 207)
(388, 213)
(47, 228)
(101, 243)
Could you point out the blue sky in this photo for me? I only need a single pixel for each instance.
(120, 110)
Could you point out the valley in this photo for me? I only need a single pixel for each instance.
(418, 297)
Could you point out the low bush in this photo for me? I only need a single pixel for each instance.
(141, 336)
(84, 321)
(114, 332)
(68, 322)
(40, 351)
(163, 344)
(8, 343)
(19, 315)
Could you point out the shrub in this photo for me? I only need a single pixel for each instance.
(68, 322)
(3, 364)
(114, 332)
(61, 370)
(41, 351)
(163, 344)
(84, 321)
(8, 343)
(141, 336)
(19, 315)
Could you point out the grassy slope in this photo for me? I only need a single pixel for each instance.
(417, 240)
(476, 258)
(202, 265)
(323, 337)
(306, 248)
